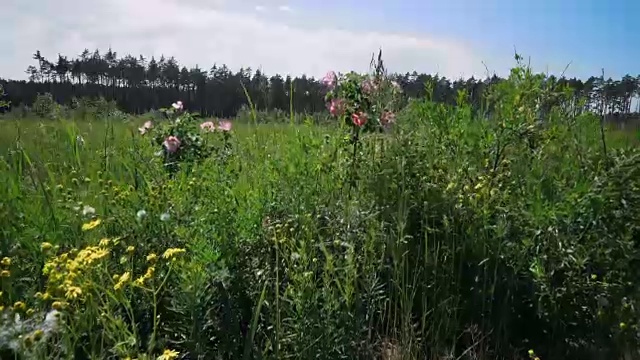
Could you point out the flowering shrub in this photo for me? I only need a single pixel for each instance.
(367, 102)
(183, 140)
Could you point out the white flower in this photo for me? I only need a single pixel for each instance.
(88, 210)
(141, 214)
(165, 217)
(79, 140)
(177, 105)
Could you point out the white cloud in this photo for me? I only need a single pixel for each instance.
(285, 8)
(260, 8)
(204, 35)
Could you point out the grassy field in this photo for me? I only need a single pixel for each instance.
(448, 237)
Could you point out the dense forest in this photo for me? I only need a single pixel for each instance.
(139, 84)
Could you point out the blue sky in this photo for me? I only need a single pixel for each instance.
(591, 33)
(452, 37)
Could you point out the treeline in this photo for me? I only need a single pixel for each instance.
(138, 84)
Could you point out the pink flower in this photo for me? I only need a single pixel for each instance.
(145, 127)
(224, 125)
(171, 143)
(336, 107)
(330, 79)
(359, 119)
(387, 118)
(177, 105)
(208, 126)
(368, 86)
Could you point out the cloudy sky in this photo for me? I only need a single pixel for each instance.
(451, 37)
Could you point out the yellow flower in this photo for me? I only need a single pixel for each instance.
(139, 281)
(73, 292)
(149, 273)
(38, 295)
(1, 308)
(46, 296)
(5, 273)
(131, 249)
(91, 225)
(30, 312)
(6, 261)
(123, 281)
(45, 246)
(104, 242)
(172, 252)
(152, 257)
(58, 305)
(19, 306)
(38, 334)
(168, 355)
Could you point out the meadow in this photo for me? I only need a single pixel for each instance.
(447, 233)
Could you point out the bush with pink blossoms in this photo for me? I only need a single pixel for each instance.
(364, 102)
(183, 139)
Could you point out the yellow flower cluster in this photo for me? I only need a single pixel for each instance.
(170, 253)
(64, 270)
(91, 225)
(6, 262)
(122, 281)
(148, 275)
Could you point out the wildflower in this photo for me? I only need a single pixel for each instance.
(1, 308)
(5, 273)
(224, 125)
(171, 252)
(79, 140)
(38, 295)
(45, 246)
(58, 305)
(19, 306)
(30, 312)
(104, 242)
(46, 296)
(368, 86)
(141, 214)
(177, 105)
(131, 249)
(359, 119)
(168, 355)
(531, 352)
(88, 210)
(387, 118)
(330, 80)
(91, 225)
(73, 292)
(124, 278)
(336, 107)
(208, 126)
(145, 127)
(152, 257)
(622, 326)
(171, 144)
(6, 261)
(38, 334)
(165, 217)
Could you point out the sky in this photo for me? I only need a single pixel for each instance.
(454, 38)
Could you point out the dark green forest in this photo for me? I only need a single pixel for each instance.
(139, 84)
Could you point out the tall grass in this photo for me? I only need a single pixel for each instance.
(460, 235)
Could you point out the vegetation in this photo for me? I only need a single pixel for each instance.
(404, 229)
(138, 85)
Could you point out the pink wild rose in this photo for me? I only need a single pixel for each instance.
(387, 118)
(368, 86)
(224, 125)
(172, 144)
(208, 126)
(145, 127)
(359, 119)
(177, 105)
(330, 79)
(336, 107)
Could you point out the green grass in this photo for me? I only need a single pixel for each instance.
(450, 237)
